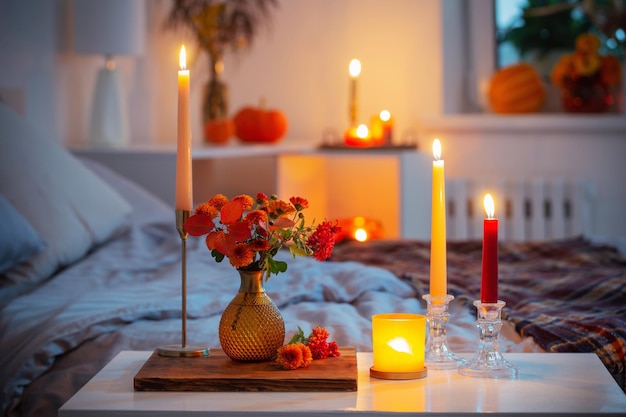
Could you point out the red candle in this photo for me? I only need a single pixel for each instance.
(489, 282)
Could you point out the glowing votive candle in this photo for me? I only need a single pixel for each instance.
(398, 341)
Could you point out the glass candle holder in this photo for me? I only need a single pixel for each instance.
(488, 362)
(398, 341)
(438, 355)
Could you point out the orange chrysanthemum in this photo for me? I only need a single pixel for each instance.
(299, 203)
(585, 64)
(255, 217)
(207, 209)
(307, 356)
(246, 201)
(250, 231)
(241, 255)
(279, 208)
(218, 201)
(290, 356)
(587, 43)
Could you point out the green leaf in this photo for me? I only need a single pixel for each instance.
(277, 267)
(298, 337)
(296, 251)
(219, 257)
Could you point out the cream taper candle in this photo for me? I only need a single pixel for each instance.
(184, 199)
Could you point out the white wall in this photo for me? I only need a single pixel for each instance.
(300, 66)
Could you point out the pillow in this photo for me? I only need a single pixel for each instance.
(18, 240)
(67, 204)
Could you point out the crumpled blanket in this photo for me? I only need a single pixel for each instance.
(126, 295)
(568, 295)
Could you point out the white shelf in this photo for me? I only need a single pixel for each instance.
(528, 123)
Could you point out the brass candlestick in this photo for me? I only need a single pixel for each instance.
(183, 350)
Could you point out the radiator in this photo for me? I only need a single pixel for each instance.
(528, 210)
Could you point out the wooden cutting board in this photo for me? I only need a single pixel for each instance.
(219, 373)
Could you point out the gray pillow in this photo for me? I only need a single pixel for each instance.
(18, 240)
(68, 205)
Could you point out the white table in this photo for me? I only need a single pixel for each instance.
(559, 383)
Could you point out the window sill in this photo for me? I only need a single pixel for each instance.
(533, 123)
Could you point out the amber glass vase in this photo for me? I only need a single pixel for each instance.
(251, 327)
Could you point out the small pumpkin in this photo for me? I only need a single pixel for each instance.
(219, 131)
(517, 88)
(259, 125)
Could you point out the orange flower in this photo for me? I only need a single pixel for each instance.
(561, 70)
(290, 356)
(207, 209)
(585, 64)
(218, 201)
(242, 255)
(251, 231)
(256, 217)
(307, 356)
(587, 43)
(610, 70)
(246, 201)
(279, 208)
(299, 203)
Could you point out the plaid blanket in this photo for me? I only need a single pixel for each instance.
(569, 295)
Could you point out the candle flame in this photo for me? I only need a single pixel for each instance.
(489, 206)
(399, 344)
(362, 131)
(385, 115)
(360, 235)
(355, 68)
(437, 149)
(182, 60)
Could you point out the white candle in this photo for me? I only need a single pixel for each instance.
(184, 200)
(354, 70)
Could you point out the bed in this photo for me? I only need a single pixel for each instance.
(91, 266)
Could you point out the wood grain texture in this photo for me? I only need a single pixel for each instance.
(219, 373)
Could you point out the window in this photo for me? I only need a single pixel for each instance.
(485, 23)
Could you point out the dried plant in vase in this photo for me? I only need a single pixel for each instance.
(219, 26)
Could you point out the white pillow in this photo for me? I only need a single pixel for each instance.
(67, 204)
(18, 240)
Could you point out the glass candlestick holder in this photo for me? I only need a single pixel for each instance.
(488, 361)
(437, 355)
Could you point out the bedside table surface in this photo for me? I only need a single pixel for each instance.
(558, 383)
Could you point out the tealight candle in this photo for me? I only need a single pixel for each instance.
(398, 341)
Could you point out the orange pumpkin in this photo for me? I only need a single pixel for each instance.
(219, 131)
(517, 88)
(258, 125)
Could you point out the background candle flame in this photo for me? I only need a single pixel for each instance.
(489, 206)
(182, 60)
(437, 149)
(362, 131)
(355, 68)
